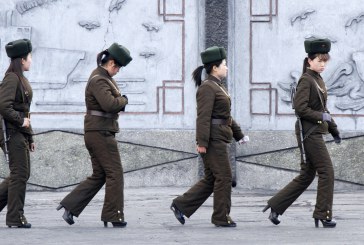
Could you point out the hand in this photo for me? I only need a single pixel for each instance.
(201, 149)
(244, 140)
(326, 117)
(26, 123)
(337, 139)
(32, 147)
(126, 97)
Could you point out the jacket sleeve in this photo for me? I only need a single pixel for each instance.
(107, 100)
(237, 133)
(333, 128)
(205, 98)
(7, 98)
(301, 100)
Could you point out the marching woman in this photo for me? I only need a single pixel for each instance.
(313, 121)
(15, 99)
(103, 102)
(215, 129)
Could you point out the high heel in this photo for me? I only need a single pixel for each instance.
(273, 216)
(67, 215)
(325, 223)
(120, 224)
(177, 213)
(60, 206)
(265, 208)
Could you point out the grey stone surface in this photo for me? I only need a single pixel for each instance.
(183, 173)
(265, 52)
(254, 177)
(61, 159)
(347, 159)
(268, 57)
(157, 82)
(150, 221)
(216, 23)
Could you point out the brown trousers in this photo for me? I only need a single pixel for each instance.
(12, 189)
(217, 180)
(107, 168)
(318, 160)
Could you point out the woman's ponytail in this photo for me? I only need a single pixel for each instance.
(100, 60)
(305, 65)
(196, 75)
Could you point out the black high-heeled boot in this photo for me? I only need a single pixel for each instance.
(325, 223)
(177, 213)
(120, 224)
(67, 215)
(24, 223)
(273, 216)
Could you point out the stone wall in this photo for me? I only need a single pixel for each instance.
(264, 39)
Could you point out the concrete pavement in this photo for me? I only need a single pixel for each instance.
(150, 221)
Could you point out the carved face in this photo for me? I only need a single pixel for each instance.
(317, 64)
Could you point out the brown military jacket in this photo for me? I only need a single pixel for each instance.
(15, 98)
(309, 107)
(100, 95)
(213, 102)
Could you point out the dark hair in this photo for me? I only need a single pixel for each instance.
(196, 74)
(16, 66)
(324, 57)
(103, 57)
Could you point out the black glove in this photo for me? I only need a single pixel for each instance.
(127, 101)
(337, 139)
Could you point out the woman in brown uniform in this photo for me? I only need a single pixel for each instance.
(15, 98)
(215, 129)
(103, 103)
(310, 106)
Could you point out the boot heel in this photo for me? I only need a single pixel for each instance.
(316, 223)
(266, 208)
(60, 206)
(105, 224)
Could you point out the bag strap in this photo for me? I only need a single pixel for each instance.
(108, 81)
(319, 93)
(223, 90)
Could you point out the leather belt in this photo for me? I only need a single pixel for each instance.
(221, 121)
(102, 114)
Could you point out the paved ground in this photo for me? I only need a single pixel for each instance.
(151, 222)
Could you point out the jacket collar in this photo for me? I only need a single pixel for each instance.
(213, 78)
(103, 71)
(313, 73)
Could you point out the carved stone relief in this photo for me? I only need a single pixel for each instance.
(147, 54)
(302, 16)
(151, 27)
(89, 25)
(116, 5)
(346, 83)
(356, 20)
(24, 6)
